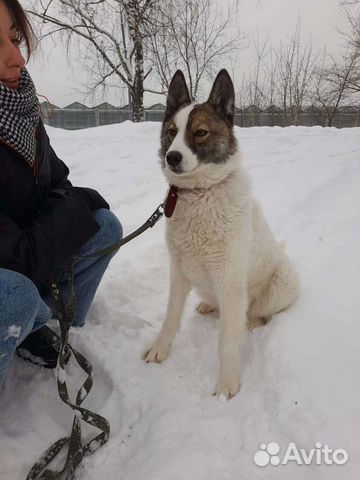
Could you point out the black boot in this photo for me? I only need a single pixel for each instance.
(42, 348)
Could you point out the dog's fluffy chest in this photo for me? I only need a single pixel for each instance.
(205, 222)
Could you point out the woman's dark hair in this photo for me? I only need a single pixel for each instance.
(22, 23)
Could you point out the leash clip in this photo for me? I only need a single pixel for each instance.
(155, 217)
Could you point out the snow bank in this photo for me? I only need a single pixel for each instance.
(301, 372)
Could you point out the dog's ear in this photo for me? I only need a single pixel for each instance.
(222, 97)
(178, 94)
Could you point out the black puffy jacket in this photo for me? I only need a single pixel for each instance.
(43, 218)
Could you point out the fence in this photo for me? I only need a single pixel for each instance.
(307, 119)
(78, 118)
(74, 119)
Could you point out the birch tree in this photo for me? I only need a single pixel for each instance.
(140, 43)
(110, 38)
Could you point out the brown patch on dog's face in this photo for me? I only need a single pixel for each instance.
(209, 137)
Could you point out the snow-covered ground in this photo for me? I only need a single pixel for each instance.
(301, 372)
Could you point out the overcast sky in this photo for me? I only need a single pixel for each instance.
(57, 77)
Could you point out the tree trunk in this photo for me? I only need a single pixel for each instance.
(138, 85)
(137, 102)
(138, 98)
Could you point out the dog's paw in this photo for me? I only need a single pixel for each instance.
(157, 353)
(228, 388)
(204, 308)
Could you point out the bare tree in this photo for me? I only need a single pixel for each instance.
(337, 81)
(256, 80)
(296, 62)
(254, 91)
(126, 40)
(112, 35)
(282, 76)
(331, 86)
(351, 12)
(192, 35)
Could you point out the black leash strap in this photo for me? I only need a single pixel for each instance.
(150, 222)
(76, 450)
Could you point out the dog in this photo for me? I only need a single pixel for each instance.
(218, 239)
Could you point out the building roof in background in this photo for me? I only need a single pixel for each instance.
(252, 109)
(349, 109)
(157, 106)
(48, 106)
(76, 106)
(273, 109)
(105, 106)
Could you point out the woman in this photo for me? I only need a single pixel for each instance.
(44, 220)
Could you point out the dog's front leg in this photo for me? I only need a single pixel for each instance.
(233, 307)
(233, 300)
(179, 290)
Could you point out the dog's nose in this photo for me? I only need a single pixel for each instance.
(174, 158)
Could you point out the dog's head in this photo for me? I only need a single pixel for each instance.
(197, 140)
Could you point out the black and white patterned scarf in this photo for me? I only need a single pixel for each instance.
(19, 116)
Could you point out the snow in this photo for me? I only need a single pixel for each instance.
(13, 332)
(301, 379)
(61, 374)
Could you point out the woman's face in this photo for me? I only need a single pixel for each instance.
(11, 60)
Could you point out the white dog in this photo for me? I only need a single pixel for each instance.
(218, 239)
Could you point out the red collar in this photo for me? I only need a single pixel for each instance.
(170, 202)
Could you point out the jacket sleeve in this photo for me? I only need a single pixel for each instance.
(42, 249)
(59, 177)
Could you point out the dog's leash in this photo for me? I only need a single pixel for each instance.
(77, 451)
(166, 208)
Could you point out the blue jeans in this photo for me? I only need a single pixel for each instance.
(23, 310)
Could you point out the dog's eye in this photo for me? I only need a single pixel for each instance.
(172, 132)
(200, 133)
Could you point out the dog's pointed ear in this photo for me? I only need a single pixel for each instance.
(178, 94)
(222, 97)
